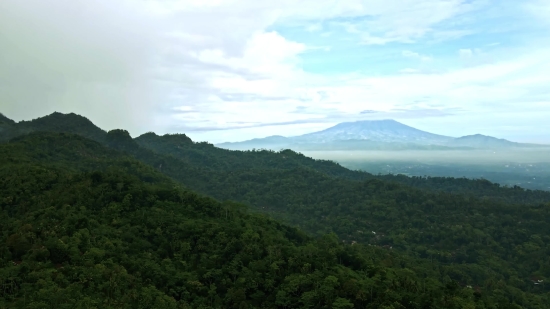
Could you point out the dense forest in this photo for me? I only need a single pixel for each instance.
(98, 219)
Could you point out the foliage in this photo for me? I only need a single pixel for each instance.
(106, 239)
(409, 242)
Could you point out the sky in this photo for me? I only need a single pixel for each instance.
(232, 70)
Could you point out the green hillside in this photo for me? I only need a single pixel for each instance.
(107, 239)
(483, 239)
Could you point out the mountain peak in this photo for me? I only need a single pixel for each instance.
(173, 139)
(378, 120)
(481, 141)
(375, 121)
(382, 124)
(480, 137)
(60, 120)
(68, 123)
(384, 130)
(120, 139)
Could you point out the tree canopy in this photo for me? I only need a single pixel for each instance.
(106, 221)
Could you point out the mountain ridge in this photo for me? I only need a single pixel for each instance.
(387, 134)
(117, 234)
(464, 237)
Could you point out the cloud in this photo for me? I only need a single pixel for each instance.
(414, 55)
(465, 53)
(314, 27)
(407, 21)
(409, 71)
(217, 65)
(539, 9)
(324, 118)
(73, 56)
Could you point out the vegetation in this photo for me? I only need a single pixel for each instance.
(107, 239)
(112, 223)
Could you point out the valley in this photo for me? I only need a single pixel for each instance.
(528, 168)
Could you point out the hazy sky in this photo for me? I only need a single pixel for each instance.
(228, 70)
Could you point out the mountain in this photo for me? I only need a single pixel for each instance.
(387, 131)
(99, 224)
(484, 141)
(106, 239)
(372, 135)
(369, 134)
(58, 122)
(77, 214)
(182, 159)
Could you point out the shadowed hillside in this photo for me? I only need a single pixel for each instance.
(80, 228)
(471, 230)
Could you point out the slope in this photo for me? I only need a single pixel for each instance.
(203, 154)
(106, 239)
(474, 241)
(185, 156)
(58, 122)
(225, 163)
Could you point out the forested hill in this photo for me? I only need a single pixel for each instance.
(202, 155)
(57, 122)
(494, 239)
(83, 226)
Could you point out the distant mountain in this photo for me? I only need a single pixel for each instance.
(484, 141)
(358, 135)
(373, 135)
(387, 131)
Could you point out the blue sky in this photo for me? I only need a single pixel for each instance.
(230, 70)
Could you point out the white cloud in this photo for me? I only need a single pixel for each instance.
(314, 27)
(465, 53)
(414, 55)
(406, 21)
(213, 64)
(539, 9)
(73, 56)
(409, 71)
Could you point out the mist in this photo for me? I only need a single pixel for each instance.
(476, 157)
(527, 168)
(74, 56)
